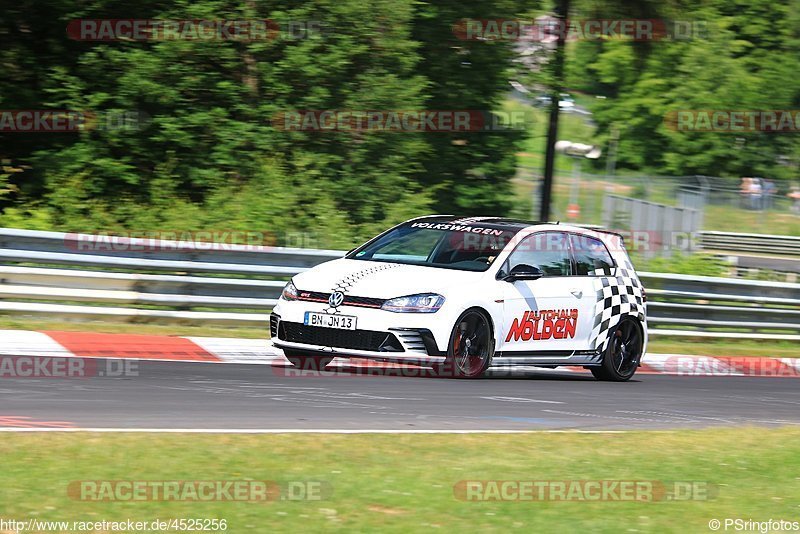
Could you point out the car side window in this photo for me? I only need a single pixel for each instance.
(549, 251)
(591, 255)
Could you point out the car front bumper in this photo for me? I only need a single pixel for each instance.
(407, 339)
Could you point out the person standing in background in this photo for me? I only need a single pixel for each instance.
(744, 192)
(794, 196)
(756, 193)
(769, 194)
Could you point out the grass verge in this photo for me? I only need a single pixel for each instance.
(402, 483)
(723, 347)
(109, 327)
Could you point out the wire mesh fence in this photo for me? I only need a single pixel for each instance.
(750, 204)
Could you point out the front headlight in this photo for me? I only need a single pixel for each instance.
(423, 303)
(289, 292)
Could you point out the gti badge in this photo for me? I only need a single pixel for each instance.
(336, 299)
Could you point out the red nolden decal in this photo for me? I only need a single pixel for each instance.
(544, 324)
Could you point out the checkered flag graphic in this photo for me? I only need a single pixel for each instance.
(618, 295)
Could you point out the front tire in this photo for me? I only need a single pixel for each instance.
(471, 346)
(307, 362)
(623, 353)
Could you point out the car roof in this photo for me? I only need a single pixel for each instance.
(496, 223)
(504, 223)
(518, 225)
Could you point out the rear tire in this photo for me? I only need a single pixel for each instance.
(623, 353)
(307, 362)
(471, 346)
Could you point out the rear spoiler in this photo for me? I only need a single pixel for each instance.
(618, 235)
(609, 232)
(596, 228)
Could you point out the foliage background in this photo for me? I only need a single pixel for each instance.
(206, 154)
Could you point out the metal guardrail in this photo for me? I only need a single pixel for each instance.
(778, 245)
(234, 284)
(160, 255)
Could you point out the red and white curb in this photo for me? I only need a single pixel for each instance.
(258, 351)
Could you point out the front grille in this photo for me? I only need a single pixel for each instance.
(313, 296)
(273, 325)
(349, 300)
(363, 301)
(369, 340)
(412, 339)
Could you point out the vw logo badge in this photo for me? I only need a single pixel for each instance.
(336, 299)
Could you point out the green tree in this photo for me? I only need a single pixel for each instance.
(470, 172)
(744, 61)
(203, 148)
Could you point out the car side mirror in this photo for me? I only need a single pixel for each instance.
(523, 272)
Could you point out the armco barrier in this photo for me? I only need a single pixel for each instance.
(776, 245)
(56, 274)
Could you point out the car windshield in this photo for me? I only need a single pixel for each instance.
(437, 244)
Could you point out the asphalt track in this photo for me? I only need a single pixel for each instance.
(176, 395)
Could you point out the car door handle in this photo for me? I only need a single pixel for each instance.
(577, 293)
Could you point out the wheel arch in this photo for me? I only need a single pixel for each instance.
(487, 314)
(642, 322)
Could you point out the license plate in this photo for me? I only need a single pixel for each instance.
(329, 320)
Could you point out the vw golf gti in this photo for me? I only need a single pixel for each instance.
(461, 294)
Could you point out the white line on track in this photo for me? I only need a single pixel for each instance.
(301, 431)
(521, 399)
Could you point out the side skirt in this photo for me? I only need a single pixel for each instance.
(551, 358)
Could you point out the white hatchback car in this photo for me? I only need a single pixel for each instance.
(460, 294)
